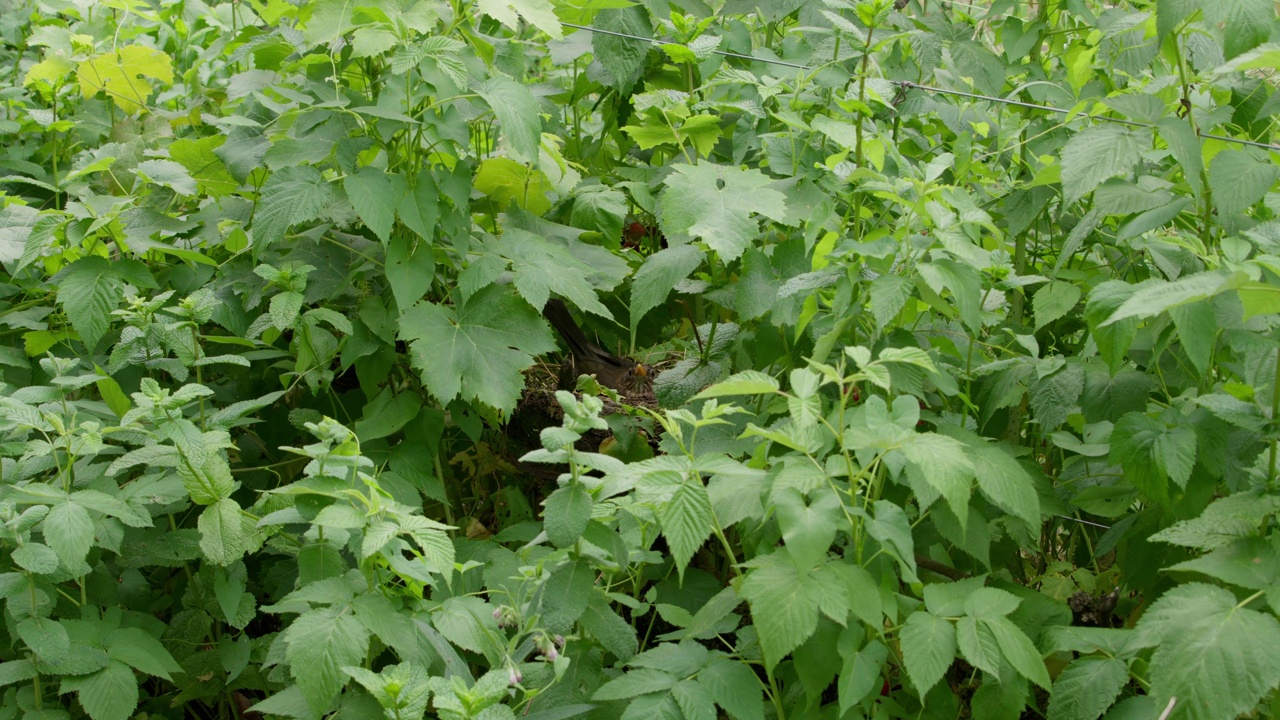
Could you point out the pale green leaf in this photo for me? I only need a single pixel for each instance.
(1098, 153)
(68, 529)
(476, 351)
(659, 274)
(1217, 658)
(290, 196)
(88, 291)
(716, 204)
(928, 647)
(539, 13)
(567, 511)
(565, 595)
(784, 605)
(1018, 650)
(1240, 178)
(108, 694)
(747, 382)
(222, 532)
(1053, 301)
(317, 645)
(1087, 688)
(686, 521)
(375, 194)
(514, 105)
(734, 687)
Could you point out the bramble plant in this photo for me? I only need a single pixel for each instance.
(963, 315)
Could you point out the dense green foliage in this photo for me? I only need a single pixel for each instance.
(966, 406)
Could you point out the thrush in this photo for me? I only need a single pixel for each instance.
(622, 374)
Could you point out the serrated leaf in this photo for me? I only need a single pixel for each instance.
(622, 58)
(542, 267)
(1087, 688)
(1098, 153)
(658, 276)
(68, 529)
(568, 510)
(1217, 658)
(733, 687)
(222, 532)
(1248, 23)
(928, 648)
(978, 645)
(141, 651)
(686, 521)
(1018, 650)
(539, 13)
(1054, 301)
(784, 605)
(375, 195)
(317, 645)
(609, 629)
(88, 291)
(515, 107)
(640, 681)
(747, 382)
(108, 694)
(1239, 178)
(290, 196)
(565, 595)
(476, 351)
(716, 204)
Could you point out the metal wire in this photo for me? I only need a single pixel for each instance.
(908, 85)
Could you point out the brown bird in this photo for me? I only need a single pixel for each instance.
(622, 374)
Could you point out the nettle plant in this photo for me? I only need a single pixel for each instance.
(966, 406)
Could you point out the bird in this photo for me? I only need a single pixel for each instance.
(627, 376)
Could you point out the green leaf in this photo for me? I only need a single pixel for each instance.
(141, 651)
(1216, 658)
(543, 266)
(928, 648)
(292, 195)
(46, 638)
(860, 672)
(1239, 178)
(694, 700)
(623, 59)
(108, 694)
(1171, 13)
(734, 687)
(515, 107)
(1098, 153)
(659, 274)
(1184, 144)
(784, 605)
(568, 510)
(1250, 562)
(565, 595)
(1018, 650)
(963, 282)
(978, 644)
(410, 270)
(88, 291)
(716, 204)
(539, 13)
(419, 208)
(1005, 482)
(35, 557)
(476, 351)
(317, 645)
(808, 528)
(1087, 688)
(375, 195)
(16, 671)
(943, 465)
(68, 529)
(609, 629)
(686, 521)
(640, 681)
(1248, 23)
(387, 414)
(747, 382)
(284, 309)
(222, 532)
(1054, 301)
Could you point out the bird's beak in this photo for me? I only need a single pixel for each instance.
(641, 371)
